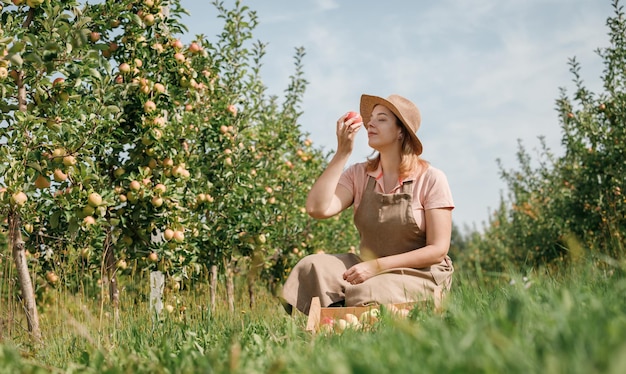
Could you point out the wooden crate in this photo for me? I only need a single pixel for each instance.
(317, 313)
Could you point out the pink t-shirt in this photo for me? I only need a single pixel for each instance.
(430, 190)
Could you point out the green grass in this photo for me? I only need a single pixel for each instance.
(570, 323)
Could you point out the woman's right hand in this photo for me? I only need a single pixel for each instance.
(346, 132)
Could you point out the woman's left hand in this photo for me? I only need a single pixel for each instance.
(361, 272)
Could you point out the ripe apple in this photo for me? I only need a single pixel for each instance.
(58, 153)
(153, 257)
(52, 278)
(232, 109)
(194, 47)
(148, 19)
(157, 201)
(4, 73)
(69, 160)
(177, 44)
(356, 115)
(89, 220)
(149, 106)
(168, 234)
(179, 236)
(59, 175)
(94, 199)
(135, 185)
(160, 88)
(179, 57)
(58, 81)
(159, 189)
(369, 316)
(94, 36)
(124, 68)
(327, 325)
(351, 319)
(19, 198)
(168, 162)
(17, 2)
(340, 325)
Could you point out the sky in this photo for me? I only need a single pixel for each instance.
(485, 74)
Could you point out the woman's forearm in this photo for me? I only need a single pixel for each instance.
(417, 259)
(322, 201)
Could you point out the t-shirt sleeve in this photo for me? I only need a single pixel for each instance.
(436, 191)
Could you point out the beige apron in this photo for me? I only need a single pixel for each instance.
(387, 227)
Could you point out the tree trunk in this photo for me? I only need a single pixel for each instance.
(26, 285)
(251, 280)
(213, 286)
(230, 288)
(110, 273)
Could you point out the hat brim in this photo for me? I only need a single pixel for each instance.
(368, 102)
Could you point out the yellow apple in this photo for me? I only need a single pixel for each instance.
(179, 236)
(19, 198)
(94, 199)
(52, 278)
(168, 234)
(157, 201)
(153, 257)
(69, 160)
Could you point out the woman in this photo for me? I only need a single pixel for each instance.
(402, 210)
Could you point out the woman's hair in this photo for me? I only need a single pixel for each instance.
(410, 159)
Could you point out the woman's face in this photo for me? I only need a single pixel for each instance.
(383, 130)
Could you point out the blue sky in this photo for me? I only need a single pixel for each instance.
(485, 73)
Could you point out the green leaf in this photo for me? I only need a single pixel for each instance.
(16, 59)
(33, 57)
(35, 165)
(95, 73)
(54, 219)
(17, 47)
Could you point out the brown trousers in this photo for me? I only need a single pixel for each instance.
(321, 275)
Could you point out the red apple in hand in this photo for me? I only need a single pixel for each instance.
(356, 115)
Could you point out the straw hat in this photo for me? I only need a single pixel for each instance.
(404, 109)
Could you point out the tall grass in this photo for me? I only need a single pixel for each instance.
(573, 322)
